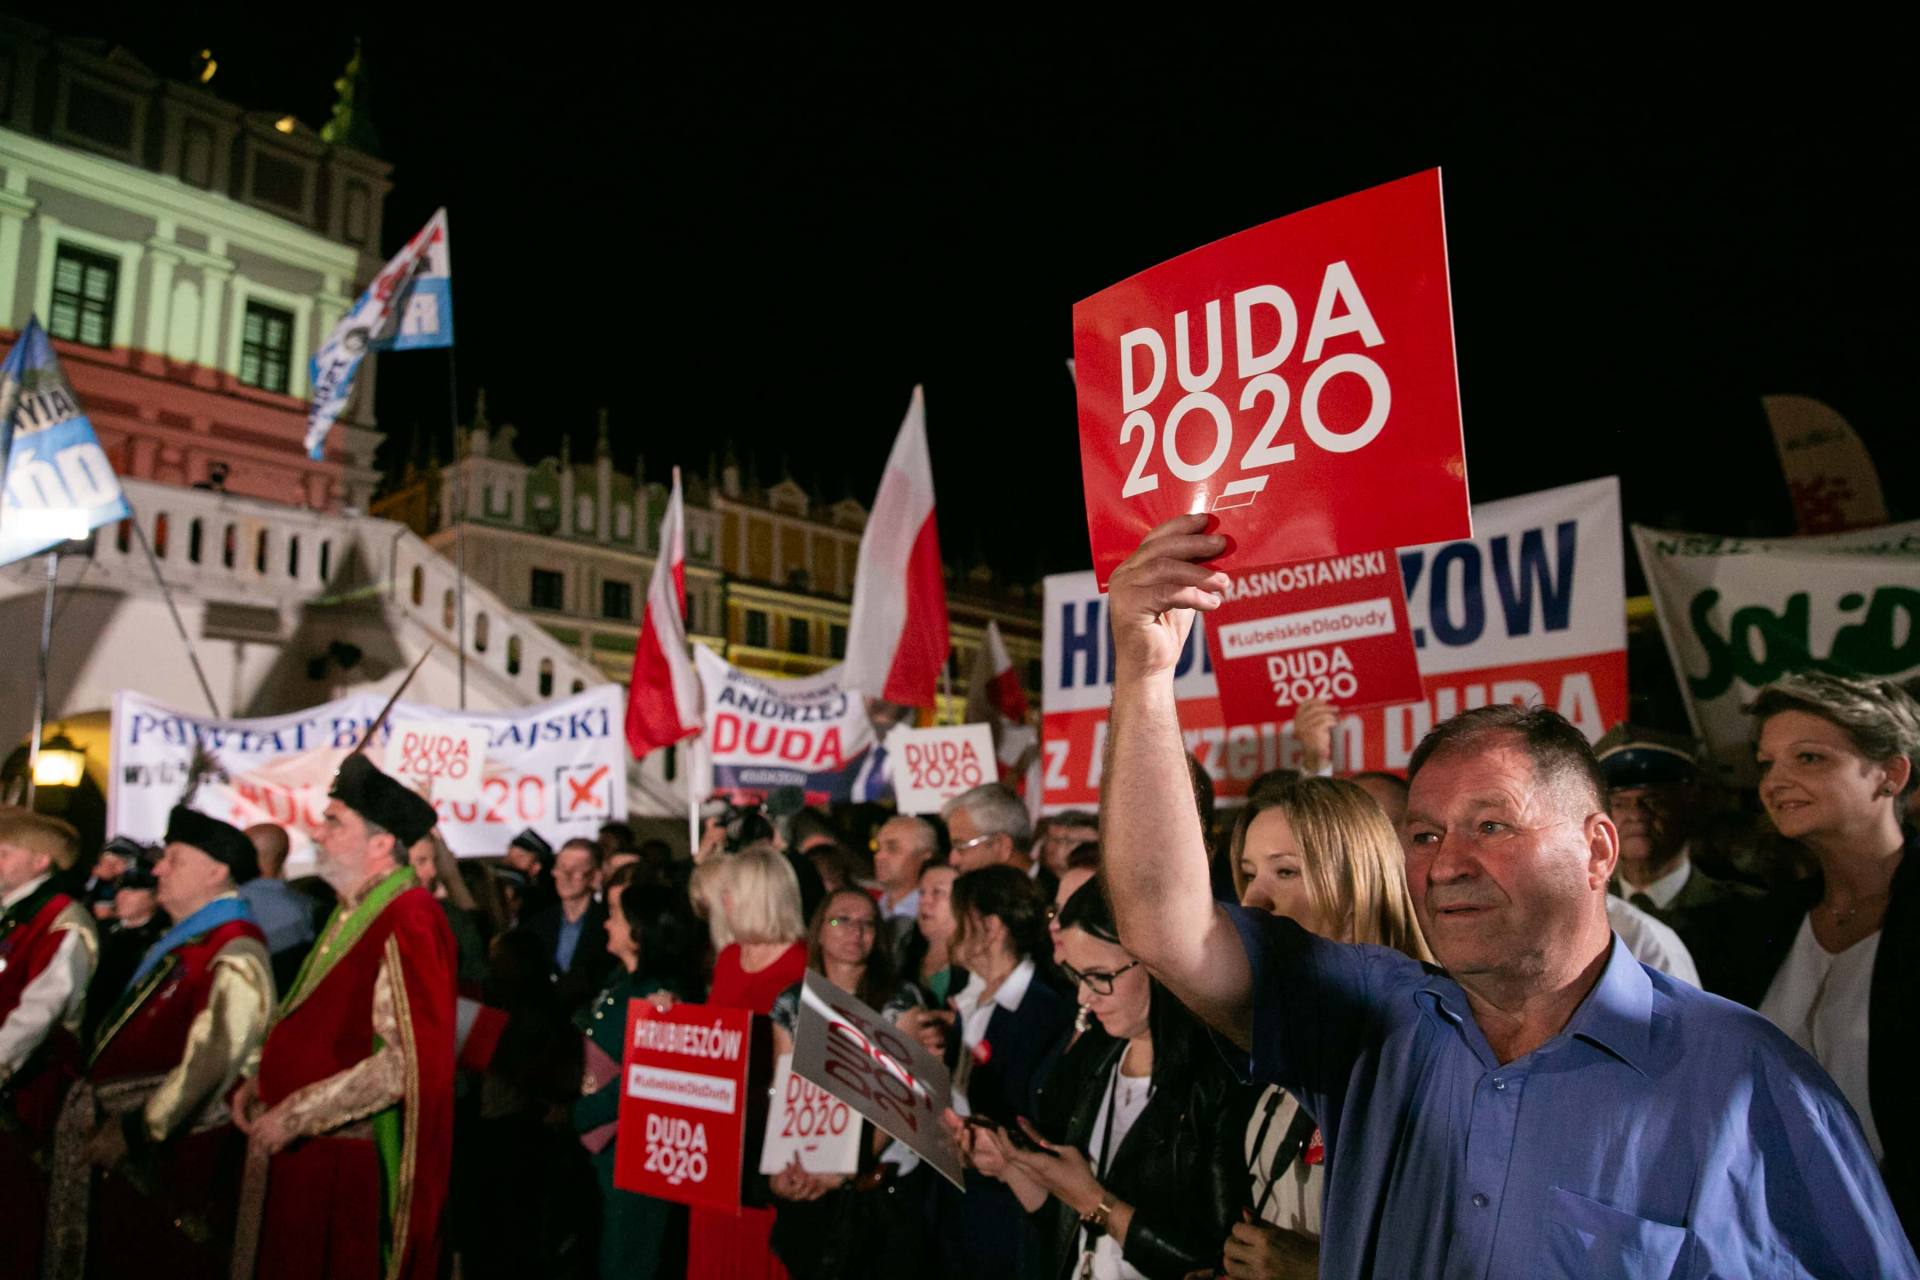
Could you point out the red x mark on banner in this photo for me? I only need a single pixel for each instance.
(586, 796)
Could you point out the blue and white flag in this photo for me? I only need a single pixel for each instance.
(408, 306)
(59, 484)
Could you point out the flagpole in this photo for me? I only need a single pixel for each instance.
(133, 517)
(40, 688)
(459, 524)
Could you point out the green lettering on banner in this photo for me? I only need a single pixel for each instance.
(1760, 645)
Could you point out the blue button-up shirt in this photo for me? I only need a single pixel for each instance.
(284, 914)
(1664, 1132)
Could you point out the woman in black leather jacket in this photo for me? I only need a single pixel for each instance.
(1149, 1175)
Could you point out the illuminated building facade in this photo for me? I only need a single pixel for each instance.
(186, 255)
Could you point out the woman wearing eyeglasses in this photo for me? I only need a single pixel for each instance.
(833, 1225)
(1148, 1175)
(1321, 852)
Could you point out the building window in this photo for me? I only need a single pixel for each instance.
(616, 600)
(266, 347)
(756, 628)
(83, 287)
(799, 636)
(837, 639)
(548, 589)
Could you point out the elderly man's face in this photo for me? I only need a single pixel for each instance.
(970, 850)
(1503, 868)
(188, 879)
(344, 850)
(1645, 817)
(19, 864)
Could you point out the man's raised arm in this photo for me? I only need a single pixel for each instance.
(1153, 853)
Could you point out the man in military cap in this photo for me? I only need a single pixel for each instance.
(151, 1111)
(350, 1116)
(1653, 791)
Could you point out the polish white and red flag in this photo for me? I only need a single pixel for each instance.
(663, 699)
(897, 639)
(995, 685)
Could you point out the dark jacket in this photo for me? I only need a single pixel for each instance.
(1019, 1049)
(1182, 1166)
(1728, 929)
(1893, 1021)
(985, 1232)
(582, 979)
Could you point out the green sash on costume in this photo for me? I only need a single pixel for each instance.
(332, 945)
(336, 939)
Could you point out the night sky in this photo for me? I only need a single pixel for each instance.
(769, 232)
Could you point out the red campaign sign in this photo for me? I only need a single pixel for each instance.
(683, 1103)
(1332, 629)
(1267, 376)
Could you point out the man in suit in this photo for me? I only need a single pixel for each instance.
(1652, 780)
(574, 929)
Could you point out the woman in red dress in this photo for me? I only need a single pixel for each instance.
(759, 908)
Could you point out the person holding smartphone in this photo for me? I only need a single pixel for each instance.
(1148, 1177)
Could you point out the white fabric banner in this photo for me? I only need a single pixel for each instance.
(1529, 610)
(1737, 613)
(761, 734)
(558, 767)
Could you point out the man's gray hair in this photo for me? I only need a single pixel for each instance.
(925, 838)
(995, 811)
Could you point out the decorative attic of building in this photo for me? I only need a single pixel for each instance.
(770, 568)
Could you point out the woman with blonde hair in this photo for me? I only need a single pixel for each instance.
(755, 897)
(1837, 760)
(1321, 852)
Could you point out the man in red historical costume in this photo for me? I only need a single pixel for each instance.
(151, 1110)
(47, 953)
(351, 1113)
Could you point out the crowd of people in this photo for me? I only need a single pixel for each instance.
(1536, 1008)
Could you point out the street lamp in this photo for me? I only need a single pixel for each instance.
(60, 763)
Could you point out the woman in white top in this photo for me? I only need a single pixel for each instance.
(1145, 1176)
(1321, 852)
(1836, 759)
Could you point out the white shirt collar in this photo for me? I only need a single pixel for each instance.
(21, 894)
(1664, 890)
(1009, 995)
(908, 905)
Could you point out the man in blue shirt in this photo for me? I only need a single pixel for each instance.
(1543, 1105)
